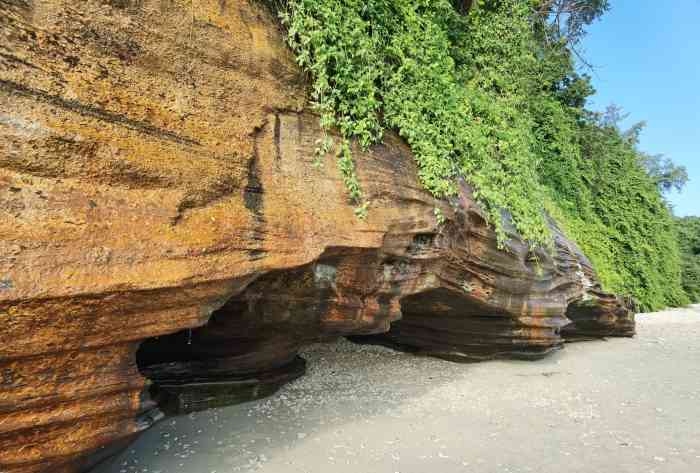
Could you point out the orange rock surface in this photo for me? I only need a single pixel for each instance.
(156, 166)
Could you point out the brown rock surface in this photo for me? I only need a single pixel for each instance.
(156, 167)
(598, 314)
(511, 303)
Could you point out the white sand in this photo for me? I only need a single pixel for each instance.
(625, 405)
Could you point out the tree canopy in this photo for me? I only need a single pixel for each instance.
(568, 19)
(689, 231)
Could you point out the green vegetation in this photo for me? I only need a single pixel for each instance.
(610, 204)
(689, 229)
(493, 97)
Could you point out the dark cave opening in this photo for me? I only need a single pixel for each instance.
(230, 360)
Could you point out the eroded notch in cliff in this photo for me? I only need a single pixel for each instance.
(228, 361)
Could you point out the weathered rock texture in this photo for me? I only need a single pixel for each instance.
(155, 168)
(490, 303)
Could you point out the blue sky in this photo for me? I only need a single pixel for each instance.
(646, 55)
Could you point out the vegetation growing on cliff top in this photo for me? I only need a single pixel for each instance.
(689, 229)
(493, 97)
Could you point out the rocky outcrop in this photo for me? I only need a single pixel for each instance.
(443, 289)
(157, 167)
(599, 315)
(509, 303)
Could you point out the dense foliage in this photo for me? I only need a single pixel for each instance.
(611, 205)
(689, 229)
(492, 97)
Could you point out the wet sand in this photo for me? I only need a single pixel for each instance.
(617, 406)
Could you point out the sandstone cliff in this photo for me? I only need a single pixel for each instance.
(156, 167)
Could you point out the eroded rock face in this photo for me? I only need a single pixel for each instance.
(598, 314)
(156, 166)
(524, 308)
(447, 292)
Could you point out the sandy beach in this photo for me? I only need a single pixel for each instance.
(622, 405)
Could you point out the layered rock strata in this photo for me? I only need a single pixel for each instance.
(448, 324)
(157, 167)
(598, 314)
